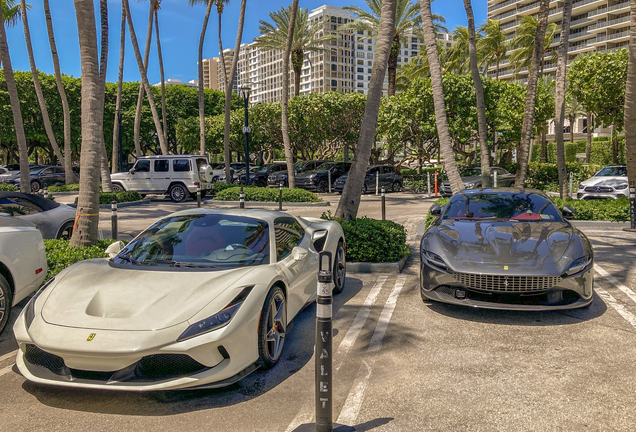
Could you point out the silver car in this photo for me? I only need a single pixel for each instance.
(508, 249)
(54, 220)
(610, 182)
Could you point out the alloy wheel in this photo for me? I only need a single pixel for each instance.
(340, 269)
(276, 326)
(177, 193)
(35, 186)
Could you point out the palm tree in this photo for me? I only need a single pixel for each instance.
(87, 218)
(9, 15)
(220, 7)
(573, 110)
(531, 93)
(107, 185)
(229, 83)
(304, 38)
(458, 56)
(140, 95)
(407, 19)
(164, 121)
(144, 79)
(350, 201)
(493, 45)
(523, 44)
(446, 146)
(630, 101)
(289, 155)
(482, 125)
(38, 88)
(411, 71)
(559, 100)
(120, 81)
(68, 163)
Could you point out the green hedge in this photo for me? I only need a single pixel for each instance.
(600, 153)
(597, 210)
(121, 197)
(73, 187)
(218, 187)
(8, 187)
(253, 193)
(372, 240)
(60, 254)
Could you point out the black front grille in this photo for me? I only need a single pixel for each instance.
(162, 366)
(502, 283)
(38, 357)
(599, 189)
(91, 375)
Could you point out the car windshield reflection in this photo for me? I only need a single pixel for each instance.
(612, 172)
(514, 206)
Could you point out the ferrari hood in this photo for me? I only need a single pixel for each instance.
(96, 295)
(471, 246)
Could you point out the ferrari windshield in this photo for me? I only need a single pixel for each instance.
(526, 207)
(215, 241)
(615, 171)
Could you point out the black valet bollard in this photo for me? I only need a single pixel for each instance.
(113, 219)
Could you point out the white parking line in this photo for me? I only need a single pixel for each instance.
(631, 294)
(306, 412)
(5, 370)
(620, 308)
(351, 408)
(12, 354)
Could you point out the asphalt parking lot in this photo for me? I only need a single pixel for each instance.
(400, 364)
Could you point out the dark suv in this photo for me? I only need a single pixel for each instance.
(274, 180)
(389, 179)
(259, 176)
(318, 179)
(42, 176)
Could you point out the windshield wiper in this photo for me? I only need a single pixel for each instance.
(129, 259)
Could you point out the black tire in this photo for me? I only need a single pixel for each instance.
(5, 302)
(323, 186)
(35, 186)
(365, 190)
(118, 188)
(339, 269)
(261, 183)
(273, 318)
(215, 179)
(396, 186)
(178, 193)
(66, 231)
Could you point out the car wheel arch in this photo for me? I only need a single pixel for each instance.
(121, 185)
(59, 230)
(180, 183)
(4, 271)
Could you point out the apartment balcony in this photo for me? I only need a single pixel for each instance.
(615, 23)
(503, 6)
(617, 8)
(580, 22)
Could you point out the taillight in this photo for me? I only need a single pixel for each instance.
(38, 271)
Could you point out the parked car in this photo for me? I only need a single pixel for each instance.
(218, 171)
(260, 175)
(42, 176)
(9, 171)
(22, 263)
(610, 182)
(54, 220)
(388, 178)
(237, 173)
(472, 179)
(506, 249)
(200, 299)
(318, 179)
(174, 175)
(274, 180)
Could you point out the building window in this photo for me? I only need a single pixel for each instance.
(360, 54)
(360, 77)
(334, 67)
(334, 83)
(369, 55)
(360, 70)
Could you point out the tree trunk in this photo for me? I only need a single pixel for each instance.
(479, 96)
(531, 92)
(140, 96)
(164, 122)
(572, 119)
(630, 101)
(120, 80)
(588, 147)
(23, 150)
(200, 71)
(38, 88)
(544, 147)
(350, 200)
(69, 175)
(87, 217)
(393, 64)
(289, 156)
(614, 145)
(229, 83)
(446, 146)
(559, 100)
(144, 80)
(107, 185)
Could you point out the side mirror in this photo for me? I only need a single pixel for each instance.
(567, 212)
(436, 210)
(299, 253)
(132, 171)
(114, 249)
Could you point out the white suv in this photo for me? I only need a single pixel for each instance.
(175, 175)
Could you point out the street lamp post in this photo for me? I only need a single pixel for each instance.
(246, 90)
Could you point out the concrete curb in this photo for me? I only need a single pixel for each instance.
(254, 204)
(365, 267)
(119, 205)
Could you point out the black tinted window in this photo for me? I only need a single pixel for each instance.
(142, 166)
(522, 207)
(162, 166)
(181, 165)
(288, 234)
(15, 206)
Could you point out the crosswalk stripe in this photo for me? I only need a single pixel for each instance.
(631, 294)
(12, 354)
(620, 308)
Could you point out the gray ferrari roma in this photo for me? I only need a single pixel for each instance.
(506, 249)
(54, 220)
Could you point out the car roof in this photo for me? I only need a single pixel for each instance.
(172, 157)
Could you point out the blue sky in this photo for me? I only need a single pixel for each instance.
(179, 27)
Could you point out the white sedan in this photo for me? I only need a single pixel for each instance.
(198, 300)
(22, 263)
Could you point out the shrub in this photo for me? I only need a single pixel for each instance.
(8, 187)
(73, 187)
(60, 254)
(121, 197)
(600, 152)
(259, 194)
(218, 187)
(429, 217)
(598, 210)
(372, 240)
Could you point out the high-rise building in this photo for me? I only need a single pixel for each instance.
(224, 70)
(211, 73)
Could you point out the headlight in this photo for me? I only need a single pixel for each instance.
(581, 186)
(29, 313)
(621, 187)
(434, 259)
(218, 320)
(470, 185)
(578, 265)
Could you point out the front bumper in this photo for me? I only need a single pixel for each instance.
(306, 184)
(582, 195)
(569, 293)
